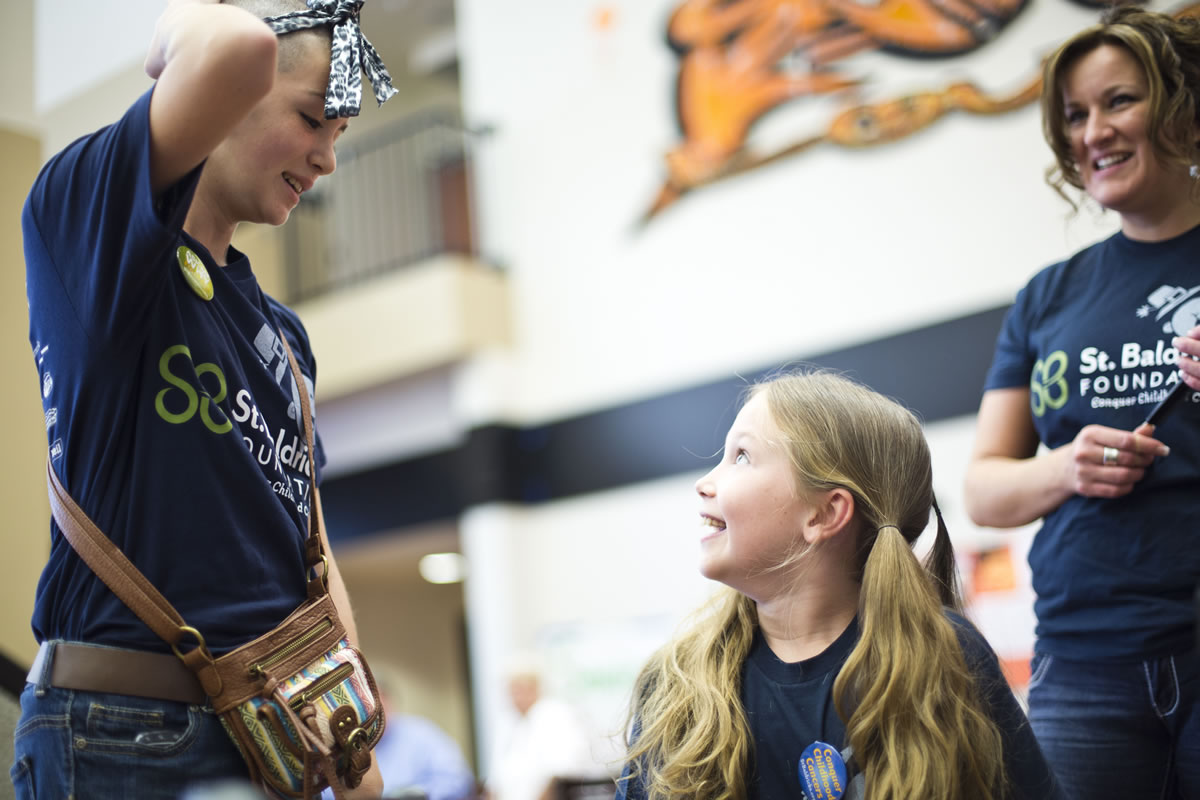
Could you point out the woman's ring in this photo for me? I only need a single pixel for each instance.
(1110, 455)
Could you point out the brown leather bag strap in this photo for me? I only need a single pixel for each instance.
(317, 756)
(128, 583)
(306, 419)
(111, 565)
(314, 547)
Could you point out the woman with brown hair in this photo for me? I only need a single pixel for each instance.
(1089, 349)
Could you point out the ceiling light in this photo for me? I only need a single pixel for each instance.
(443, 567)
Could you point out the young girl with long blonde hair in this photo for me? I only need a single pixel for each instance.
(834, 664)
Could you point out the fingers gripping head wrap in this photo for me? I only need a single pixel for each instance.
(350, 55)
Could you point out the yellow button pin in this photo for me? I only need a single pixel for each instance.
(194, 272)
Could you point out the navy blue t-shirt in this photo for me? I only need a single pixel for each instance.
(1091, 338)
(173, 420)
(790, 706)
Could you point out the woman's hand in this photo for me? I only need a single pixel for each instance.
(1108, 462)
(1189, 345)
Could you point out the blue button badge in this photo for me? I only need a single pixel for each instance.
(822, 772)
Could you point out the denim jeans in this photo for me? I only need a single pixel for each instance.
(85, 745)
(1119, 730)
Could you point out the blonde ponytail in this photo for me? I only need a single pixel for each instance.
(913, 713)
(940, 565)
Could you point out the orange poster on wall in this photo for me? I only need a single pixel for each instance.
(741, 59)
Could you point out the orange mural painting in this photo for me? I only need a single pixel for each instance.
(735, 67)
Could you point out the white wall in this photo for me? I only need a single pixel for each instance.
(608, 575)
(78, 43)
(827, 248)
(16, 61)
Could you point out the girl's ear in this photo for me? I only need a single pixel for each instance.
(828, 515)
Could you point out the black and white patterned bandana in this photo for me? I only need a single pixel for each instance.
(349, 56)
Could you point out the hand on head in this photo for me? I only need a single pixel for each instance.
(156, 56)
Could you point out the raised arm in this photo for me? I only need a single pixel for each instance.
(1009, 483)
(213, 62)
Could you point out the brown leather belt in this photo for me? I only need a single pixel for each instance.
(93, 668)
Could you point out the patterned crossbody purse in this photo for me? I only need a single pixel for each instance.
(299, 701)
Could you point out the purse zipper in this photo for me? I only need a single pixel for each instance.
(321, 685)
(300, 642)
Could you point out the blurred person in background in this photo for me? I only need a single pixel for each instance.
(1088, 349)
(546, 741)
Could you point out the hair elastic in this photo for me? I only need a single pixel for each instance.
(350, 55)
(889, 525)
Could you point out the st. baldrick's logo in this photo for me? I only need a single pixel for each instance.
(199, 391)
(740, 59)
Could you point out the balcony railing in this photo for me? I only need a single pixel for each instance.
(401, 195)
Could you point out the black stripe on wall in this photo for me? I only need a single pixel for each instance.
(937, 371)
